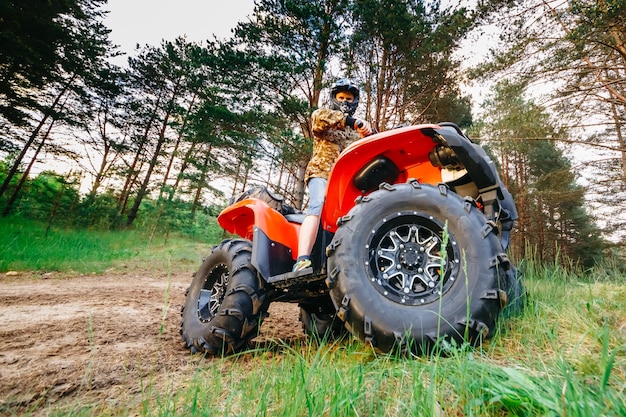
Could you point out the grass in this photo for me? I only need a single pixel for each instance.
(25, 245)
(348, 380)
(564, 356)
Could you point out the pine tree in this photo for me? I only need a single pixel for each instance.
(574, 50)
(280, 60)
(80, 46)
(404, 51)
(553, 221)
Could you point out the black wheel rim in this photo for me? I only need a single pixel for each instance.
(212, 293)
(406, 259)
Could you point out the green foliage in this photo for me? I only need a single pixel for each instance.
(404, 52)
(278, 61)
(28, 245)
(579, 70)
(98, 211)
(35, 36)
(551, 206)
(46, 196)
(49, 198)
(176, 217)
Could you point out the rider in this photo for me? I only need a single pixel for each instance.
(334, 128)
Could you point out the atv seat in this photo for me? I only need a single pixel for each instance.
(295, 217)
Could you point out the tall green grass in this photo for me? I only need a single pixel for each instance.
(565, 355)
(28, 245)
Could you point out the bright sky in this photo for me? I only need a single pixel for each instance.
(143, 22)
(149, 21)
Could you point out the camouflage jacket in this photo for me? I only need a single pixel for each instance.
(331, 137)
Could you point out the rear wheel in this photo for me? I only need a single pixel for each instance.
(225, 303)
(412, 265)
(320, 321)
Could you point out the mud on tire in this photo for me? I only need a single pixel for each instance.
(225, 304)
(413, 265)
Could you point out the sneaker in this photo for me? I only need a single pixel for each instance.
(301, 264)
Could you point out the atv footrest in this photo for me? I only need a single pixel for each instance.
(291, 275)
(290, 278)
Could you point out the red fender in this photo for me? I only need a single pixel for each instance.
(407, 147)
(242, 217)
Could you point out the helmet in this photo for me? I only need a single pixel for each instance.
(344, 84)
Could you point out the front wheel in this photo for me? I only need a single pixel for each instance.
(412, 265)
(225, 303)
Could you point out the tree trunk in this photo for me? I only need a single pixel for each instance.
(620, 139)
(201, 182)
(133, 174)
(18, 187)
(175, 151)
(47, 114)
(185, 165)
(143, 189)
(57, 201)
(105, 164)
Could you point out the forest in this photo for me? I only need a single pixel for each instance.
(166, 139)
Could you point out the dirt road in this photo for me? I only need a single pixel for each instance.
(68, 337)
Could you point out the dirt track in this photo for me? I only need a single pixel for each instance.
(92, 339)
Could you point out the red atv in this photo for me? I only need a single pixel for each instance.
(411, 251)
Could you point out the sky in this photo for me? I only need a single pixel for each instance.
(143, 22)
(149, 21)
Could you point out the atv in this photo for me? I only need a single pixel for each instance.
(411, 251)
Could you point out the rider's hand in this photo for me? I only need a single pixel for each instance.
(362, 127)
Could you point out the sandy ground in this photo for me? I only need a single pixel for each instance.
(68, 338)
